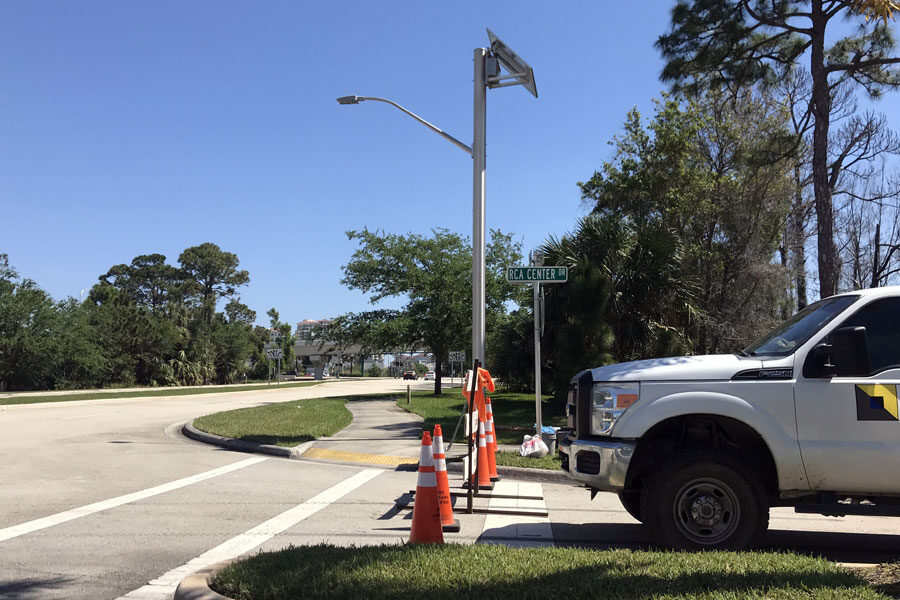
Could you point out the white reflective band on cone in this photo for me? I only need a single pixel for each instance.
(426, 459)
(427, 479)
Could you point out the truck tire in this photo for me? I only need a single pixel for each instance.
(631, 502)
(704, 500)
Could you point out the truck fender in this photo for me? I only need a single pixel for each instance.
(783, 445)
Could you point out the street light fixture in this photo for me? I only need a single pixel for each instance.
(434, 128)
(487, 75)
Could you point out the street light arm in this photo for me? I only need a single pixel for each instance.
(435, 129)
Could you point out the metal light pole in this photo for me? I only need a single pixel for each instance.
(487, 75)
(479, 120)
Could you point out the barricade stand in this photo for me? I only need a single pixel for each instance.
(475, 397)
(470, 405)
(485, 383)
(448, 523)
(482, 471)
(426, 520)
(476, 470)
(491, 438)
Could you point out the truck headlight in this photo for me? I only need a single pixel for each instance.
(608, 402)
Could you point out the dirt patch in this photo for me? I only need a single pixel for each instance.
(884, 577)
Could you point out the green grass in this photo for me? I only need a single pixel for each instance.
(280, 424)
(485, 572)
(150, 392)
(550, 462)
(510, 410)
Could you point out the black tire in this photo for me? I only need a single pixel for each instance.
(631, 501)
(704, 500)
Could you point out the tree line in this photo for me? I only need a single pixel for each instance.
(145, 323)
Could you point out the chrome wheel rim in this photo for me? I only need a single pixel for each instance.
(707, 511)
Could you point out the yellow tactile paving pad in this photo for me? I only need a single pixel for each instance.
(375, 459)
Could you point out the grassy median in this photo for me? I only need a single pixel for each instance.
(432, 572)
(514, 459)
(281, 424)
(151, 392)
(513, 413)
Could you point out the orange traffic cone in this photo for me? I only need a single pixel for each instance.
(448, 523)
(484, 475)
(491, 440)
(426, 521)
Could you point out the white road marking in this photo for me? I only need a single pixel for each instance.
(90, 415)
(163, 587)
(83, 511)
(517, 530)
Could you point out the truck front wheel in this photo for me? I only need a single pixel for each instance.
(631, 502)
(704, 500)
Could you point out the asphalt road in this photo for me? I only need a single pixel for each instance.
(106, 499)
(62, 457)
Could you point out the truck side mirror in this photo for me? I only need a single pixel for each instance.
(818, 363)
(846, 355)
(849, 351)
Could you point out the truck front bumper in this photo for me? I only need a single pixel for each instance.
(601, 465)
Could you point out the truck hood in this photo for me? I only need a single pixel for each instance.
(675, 368)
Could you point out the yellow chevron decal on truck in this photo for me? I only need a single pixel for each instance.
(876, 403)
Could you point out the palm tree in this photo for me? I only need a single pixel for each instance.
(626, 297)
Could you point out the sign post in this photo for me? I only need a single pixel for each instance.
(536, 275)
(275, 354)
(456, 356)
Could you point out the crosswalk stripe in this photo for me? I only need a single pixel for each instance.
(16, 530)
(163, 587)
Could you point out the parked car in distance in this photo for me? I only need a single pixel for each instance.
(429, 376)
(410, 375)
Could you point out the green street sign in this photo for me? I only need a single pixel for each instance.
(537, 274)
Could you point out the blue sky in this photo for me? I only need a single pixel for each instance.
(130, 128)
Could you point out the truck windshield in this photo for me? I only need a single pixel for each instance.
(791, 334)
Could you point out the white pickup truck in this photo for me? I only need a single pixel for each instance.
(699, 447)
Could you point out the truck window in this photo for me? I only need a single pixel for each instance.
(882, 322)
(794, 332)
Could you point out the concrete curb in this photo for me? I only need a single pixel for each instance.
(242, 445)
(196, 585)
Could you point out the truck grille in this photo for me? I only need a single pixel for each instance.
(581, 405)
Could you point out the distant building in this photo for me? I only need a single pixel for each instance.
(370, 361)
(307, 330)
(422, 358)
(312, 348)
